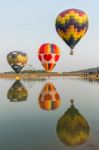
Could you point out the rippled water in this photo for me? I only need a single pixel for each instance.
(49, 114)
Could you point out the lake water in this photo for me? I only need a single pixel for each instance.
(42, 114)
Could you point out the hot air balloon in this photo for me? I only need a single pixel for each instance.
(72, 128)
(49, 98)
(17, 92)
(17, 60)
(48, 55)
(71, 25)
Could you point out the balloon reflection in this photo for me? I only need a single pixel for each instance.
(49, 99)
(17, 92)
(72, 128)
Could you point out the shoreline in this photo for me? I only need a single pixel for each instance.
(44, 75)
(31, 75)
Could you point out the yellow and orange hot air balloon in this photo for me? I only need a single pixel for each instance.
(71, 25)
(48, 55)
(49, 99)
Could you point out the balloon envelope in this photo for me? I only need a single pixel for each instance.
(72, 128)
(71, 26)
(17, 92)
(49, 98)
(17, 60)
(48, 55)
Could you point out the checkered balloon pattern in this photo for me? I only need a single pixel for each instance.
(49, 98)
(17, 60)
(71, 25)
(17, 92)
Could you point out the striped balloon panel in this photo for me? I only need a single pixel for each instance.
(48, 87)
(49, 48)
(71, 25)
(49, 105)
(48, 66)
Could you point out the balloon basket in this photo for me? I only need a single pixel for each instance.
(71, 52)
(72, 101)
(17, 77)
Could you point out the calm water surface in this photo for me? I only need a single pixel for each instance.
(51, 114)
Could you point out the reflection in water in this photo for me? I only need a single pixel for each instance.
(17, 92)
(87, 80)
(49, 99)
(72, 127)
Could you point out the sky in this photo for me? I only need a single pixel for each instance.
(26, 24)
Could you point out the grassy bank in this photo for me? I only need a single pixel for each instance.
(44, 75)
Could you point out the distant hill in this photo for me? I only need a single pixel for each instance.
(30, 71)
(26, 71)
(89, 70)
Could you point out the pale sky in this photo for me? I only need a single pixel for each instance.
(26, 24)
